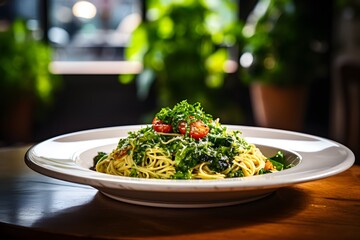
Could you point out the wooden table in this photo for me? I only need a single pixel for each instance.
(33, 206)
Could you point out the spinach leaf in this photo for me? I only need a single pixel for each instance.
(99, 157)
(278, 161)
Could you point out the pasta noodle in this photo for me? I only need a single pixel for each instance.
(158, 163)
(194, 151)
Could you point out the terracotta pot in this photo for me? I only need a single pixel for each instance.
(279, 107)
(18, 122)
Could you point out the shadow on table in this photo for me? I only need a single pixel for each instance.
(131, 221)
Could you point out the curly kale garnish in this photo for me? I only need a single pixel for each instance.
(183, 111)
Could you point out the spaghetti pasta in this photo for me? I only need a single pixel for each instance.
(192, 146)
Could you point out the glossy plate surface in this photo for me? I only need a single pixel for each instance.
(68, 157)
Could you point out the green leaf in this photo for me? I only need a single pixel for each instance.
(216, 61)
(138, 45)
(278, 157)
(126, 78)
(278, 161)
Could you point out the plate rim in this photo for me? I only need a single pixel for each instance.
(102, 180)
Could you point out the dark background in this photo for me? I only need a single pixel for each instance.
(95, 101)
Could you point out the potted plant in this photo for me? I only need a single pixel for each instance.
(184, 48)
(279, 61)
(25, 80)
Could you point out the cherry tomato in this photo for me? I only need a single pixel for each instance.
(160, 126)
(268, 165)
(197, 129)
(182, 127)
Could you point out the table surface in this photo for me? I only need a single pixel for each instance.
(33, 206)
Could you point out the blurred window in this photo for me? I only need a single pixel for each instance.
(94, 30)
(87, 36)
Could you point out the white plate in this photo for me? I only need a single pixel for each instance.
(69, 157)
